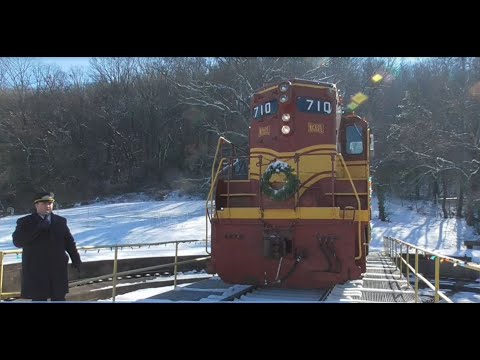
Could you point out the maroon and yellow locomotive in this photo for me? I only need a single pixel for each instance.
(295, 210)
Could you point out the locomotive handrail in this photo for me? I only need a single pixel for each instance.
(349, 208)
(210, 200)
(209, 203)
(225, 160)
(220, 142)
(213, 183)
(260, 166)
(359, 207)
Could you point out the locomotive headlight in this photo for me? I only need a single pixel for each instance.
(283, 98)
(285, 129)
(286, 117)
(283, 87)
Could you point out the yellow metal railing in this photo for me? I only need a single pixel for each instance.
(359, 207)
(213, 184)
(394, 248)
(209, 207)
(115, 274)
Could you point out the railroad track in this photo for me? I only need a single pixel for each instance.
(215, 290)
(283, 295)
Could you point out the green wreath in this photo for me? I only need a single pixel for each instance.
(288, 189)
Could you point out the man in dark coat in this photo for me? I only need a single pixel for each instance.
(45, 237)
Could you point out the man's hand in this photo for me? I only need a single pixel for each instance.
(43, 225)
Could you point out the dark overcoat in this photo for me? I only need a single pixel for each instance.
(44, 258)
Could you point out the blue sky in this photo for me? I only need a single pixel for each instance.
(66, 62)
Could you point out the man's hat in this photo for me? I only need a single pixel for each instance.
(44, 196)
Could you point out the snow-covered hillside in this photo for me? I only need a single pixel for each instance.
(137, 220)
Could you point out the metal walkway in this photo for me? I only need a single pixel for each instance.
(382, 283)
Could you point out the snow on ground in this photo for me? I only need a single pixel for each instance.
(132, 222)
(419, 223)
(136, 219)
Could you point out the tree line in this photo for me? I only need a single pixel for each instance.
(132, 124)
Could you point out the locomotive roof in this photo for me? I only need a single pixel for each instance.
(297, 81)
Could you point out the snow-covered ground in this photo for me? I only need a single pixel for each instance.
(135, 221)
(420, 224)
(138, 220)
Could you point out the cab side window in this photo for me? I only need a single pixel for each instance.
(354, 145)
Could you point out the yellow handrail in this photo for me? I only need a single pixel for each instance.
(115, 273)
(134, 271)
(438, 258)
(210, 201)
(220, 142)
(359, 208)
(213, 183)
